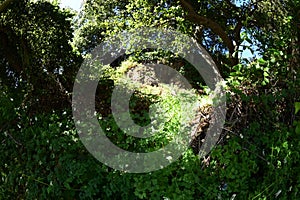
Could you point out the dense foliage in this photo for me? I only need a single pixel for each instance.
(42, 47)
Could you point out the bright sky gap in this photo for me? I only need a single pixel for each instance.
(74, 4)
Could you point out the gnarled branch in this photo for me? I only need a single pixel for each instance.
(193, 16)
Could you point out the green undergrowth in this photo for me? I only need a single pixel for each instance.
(42, 156)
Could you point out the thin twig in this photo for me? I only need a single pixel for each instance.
(11, 137)
(244, 148)
(257, 155)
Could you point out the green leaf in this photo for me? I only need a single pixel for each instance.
(261, 61)
(298, 128)
(297, 107)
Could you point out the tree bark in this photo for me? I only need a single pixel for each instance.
(193, 16)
